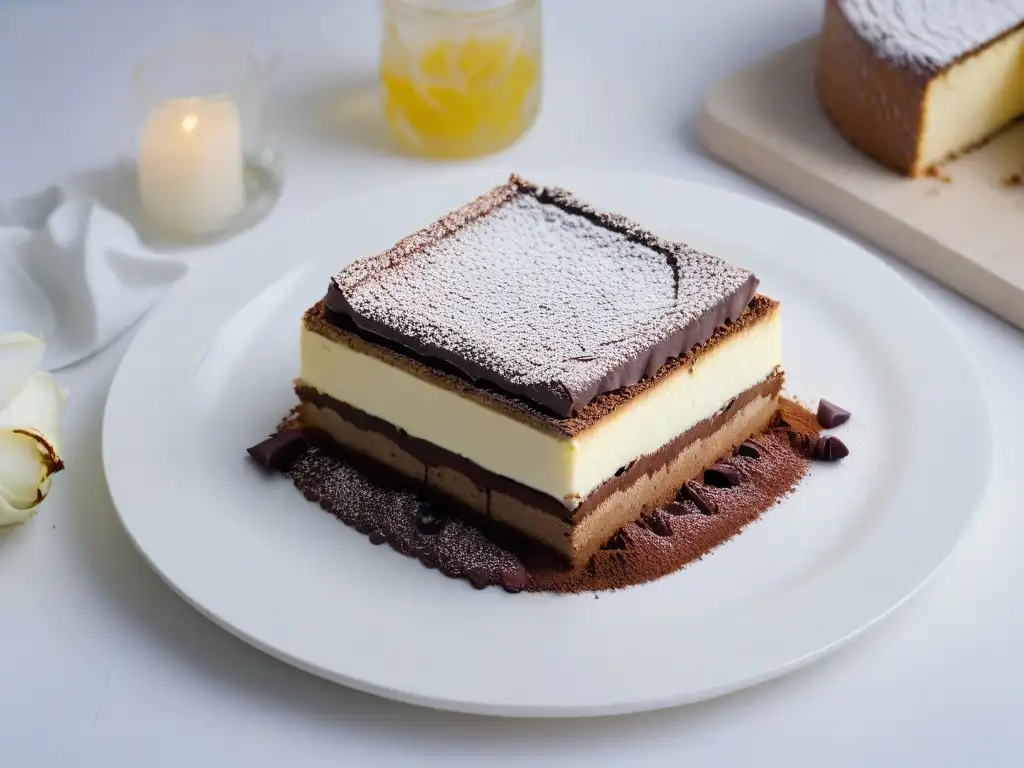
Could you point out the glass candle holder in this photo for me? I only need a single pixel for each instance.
(206, 166)
(460, 78)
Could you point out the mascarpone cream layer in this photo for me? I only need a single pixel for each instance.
(565, 468)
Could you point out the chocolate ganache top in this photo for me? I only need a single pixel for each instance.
(531, 291)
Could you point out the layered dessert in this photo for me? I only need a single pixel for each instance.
(913, 83)
(555, 370)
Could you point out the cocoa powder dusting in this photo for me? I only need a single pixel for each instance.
(647, 554)
(390, 510)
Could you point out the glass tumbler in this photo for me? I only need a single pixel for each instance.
(460, 78)
(206, 165)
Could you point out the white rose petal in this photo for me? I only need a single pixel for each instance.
(20, 356)
(29, 433)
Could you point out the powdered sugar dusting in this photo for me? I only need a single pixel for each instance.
(541, 290)
(931, 34)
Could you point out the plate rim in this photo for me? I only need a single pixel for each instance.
(197, 277)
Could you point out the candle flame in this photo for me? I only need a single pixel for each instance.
(189, 123)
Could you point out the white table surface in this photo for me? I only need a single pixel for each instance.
(101, 664)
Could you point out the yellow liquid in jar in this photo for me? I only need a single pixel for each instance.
(461, 98)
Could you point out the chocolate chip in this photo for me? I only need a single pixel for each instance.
(618, 541)
(311, 494)
(278, 451)
(831, 415)
(377, 538)
(693, 492)
(750, 449)
(829, 448)
(479, 578)
(657, 523)
(431, 519)
(513, 580)
(623, 470)
(722, 476)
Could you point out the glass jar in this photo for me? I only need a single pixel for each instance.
(460, 78)
(206, 165)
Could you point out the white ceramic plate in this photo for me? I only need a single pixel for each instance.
(210, 374)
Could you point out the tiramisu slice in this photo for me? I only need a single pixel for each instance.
(556, 369)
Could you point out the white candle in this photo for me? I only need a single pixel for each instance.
(191, 175)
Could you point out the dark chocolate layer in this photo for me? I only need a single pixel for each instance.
(434, 456)
(528, 331)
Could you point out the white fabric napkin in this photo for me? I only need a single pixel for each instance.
(75, 273)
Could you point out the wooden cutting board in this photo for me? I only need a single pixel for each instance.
(966, 229)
